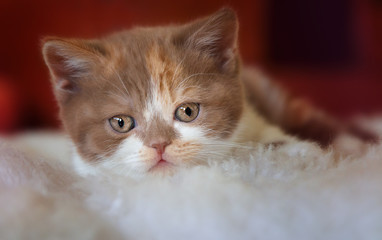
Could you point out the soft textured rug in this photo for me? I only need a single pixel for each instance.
(294, 191)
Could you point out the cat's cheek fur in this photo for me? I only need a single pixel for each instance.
(185, 150)
(188, 132)
(198, 147)
(128, 159)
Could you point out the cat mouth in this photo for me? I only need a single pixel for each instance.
(161, 164)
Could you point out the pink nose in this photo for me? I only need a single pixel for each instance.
(160, 147)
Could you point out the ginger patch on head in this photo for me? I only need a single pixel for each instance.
(162, 68)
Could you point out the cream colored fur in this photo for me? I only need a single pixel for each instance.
(260, 131)
(295, 191)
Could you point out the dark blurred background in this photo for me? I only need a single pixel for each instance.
(327, 51)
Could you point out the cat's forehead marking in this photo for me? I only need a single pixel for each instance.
(157, 104)
(162, 72)
(160, 64)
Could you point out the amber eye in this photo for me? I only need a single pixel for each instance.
(187, 112)
(122, 123)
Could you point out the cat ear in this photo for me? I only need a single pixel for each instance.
(69, 61)
(216, 36)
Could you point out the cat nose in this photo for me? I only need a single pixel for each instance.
(160, 147)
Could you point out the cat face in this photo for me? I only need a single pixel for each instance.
(150, 100)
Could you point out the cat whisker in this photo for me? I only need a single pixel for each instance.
(183, 90)
(234, 145)
(183, 81)
(116, 87)
(193, 162)
(110, 161)
(120, 79)
(208, 155)
(198, 74)
(116, 96)
(207, 131)
(177, 68)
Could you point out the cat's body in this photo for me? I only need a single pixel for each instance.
(152, 100)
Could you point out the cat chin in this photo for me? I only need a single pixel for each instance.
(162, 170)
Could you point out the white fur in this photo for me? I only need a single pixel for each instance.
(157, 106)
(188, 133)
(129, 159)
(28, 214)
(82, 167)
(295, 191)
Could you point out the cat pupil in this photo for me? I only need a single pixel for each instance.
(188, 111)
(121, 122)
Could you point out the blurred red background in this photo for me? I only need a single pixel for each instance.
(327, 51)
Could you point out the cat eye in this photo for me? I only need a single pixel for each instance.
(187, 112)
(122, 123)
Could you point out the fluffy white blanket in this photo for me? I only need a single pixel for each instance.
(295, 191)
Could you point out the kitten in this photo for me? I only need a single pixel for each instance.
(153, 100)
